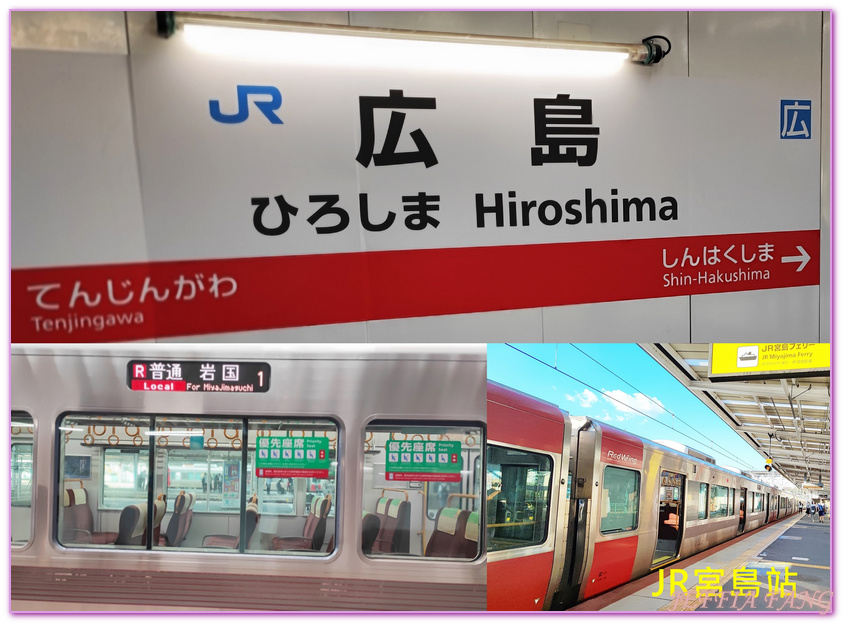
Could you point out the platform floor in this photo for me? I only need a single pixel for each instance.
(794, 545)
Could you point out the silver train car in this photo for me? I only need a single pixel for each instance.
(235, 477)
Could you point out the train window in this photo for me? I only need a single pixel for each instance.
(620, 500)
(200, 458)
(22, 466)
(21, 492)
(412, 471)
(703, 500)
(125, 477)
(720, 500)
(109, 509)
(291, 507)
(758, 502)
(518, 498)
(731, 502)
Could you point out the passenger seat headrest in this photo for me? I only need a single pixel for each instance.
(138, 512)
(394, 508)
(80, 496)
(447, 520)
(472, 527)
(382, 505)
(160, 511)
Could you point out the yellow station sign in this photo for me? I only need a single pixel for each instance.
(741, 360)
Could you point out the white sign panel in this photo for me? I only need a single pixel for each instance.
(289, 191)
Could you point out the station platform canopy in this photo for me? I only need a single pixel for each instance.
(783, 413)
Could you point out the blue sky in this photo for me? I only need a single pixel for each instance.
(629, 390)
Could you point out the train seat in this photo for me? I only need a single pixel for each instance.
(470, 545)
(449, 534)
(233, 541)
(314, 529)
(79, 521)
(393, 535)
(132, 525)
(179, 521)
(370, 528)
(160, 506)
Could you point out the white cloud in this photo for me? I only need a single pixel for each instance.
(585, 398)
(635, 403)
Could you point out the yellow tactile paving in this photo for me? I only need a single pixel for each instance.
(680, 603)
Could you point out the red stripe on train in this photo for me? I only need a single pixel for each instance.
(621, 448)
(612, 565)
(519, 583)
(521, 420)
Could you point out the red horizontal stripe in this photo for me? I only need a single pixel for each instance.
(159, 386)
(304, 290)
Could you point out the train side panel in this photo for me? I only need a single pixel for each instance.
(615, 529)
(529, 453)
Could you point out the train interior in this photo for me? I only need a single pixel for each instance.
(290, 502)
(670, 511)
(434, 514)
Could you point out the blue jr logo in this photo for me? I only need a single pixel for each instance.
(268, 108)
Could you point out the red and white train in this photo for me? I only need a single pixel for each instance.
(576, 507)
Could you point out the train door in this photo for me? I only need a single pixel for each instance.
(670, 512)
(768, 501)
(577, 544)
(742, 525)
(527, 474)
(606, 512)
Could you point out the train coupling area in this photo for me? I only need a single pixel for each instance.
(783, 567)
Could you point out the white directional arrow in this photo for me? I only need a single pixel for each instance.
(803, 258)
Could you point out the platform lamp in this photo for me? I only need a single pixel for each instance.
(209, 32)
(768, 466)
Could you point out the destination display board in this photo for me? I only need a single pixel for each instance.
(198, 376)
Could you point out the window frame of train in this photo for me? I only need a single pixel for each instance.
(543, 469)
(20, 496)
(635, 514)
(307, 486)
(381, 431)
(165, 433)
(758, 502)
(703, 500)
(715, 494)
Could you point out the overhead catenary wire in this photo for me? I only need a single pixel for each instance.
(662, 407)
(631, 408)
